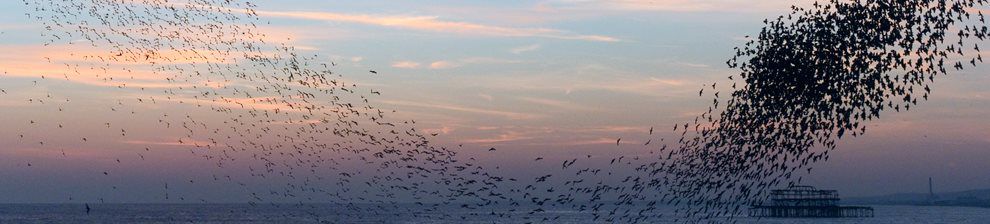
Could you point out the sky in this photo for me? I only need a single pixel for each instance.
(547, 78)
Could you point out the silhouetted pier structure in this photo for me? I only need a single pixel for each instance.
(807, 202)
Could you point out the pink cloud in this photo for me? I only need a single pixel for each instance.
(405, 64)
(500, 138)
(434, 24)
(443, 65)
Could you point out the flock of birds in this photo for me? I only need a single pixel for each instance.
(813, 77)
(256, 105)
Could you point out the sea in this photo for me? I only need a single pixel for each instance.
(331, 213)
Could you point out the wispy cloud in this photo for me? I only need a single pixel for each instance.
(510, 136)
(448, 64)
(179, 142)
(679, 5)
(435, 24)
(595, 141)
(405, 64)
(592, 79)
(53, 63)
(486, 96)
(441, 130)
(557, 103)
(487, 60)
(524, 49)
(505, 114)
(693, 65)
(443, 65)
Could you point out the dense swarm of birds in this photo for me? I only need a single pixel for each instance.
(808, 79)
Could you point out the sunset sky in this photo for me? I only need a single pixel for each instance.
(547, 78)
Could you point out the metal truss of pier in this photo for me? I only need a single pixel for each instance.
(807, 202)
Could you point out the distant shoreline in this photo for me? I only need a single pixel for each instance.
(979, 198)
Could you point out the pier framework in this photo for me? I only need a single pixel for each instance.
(807, 201)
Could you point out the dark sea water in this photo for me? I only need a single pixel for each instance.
(243, 213)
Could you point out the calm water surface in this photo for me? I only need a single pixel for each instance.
(242, 213)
